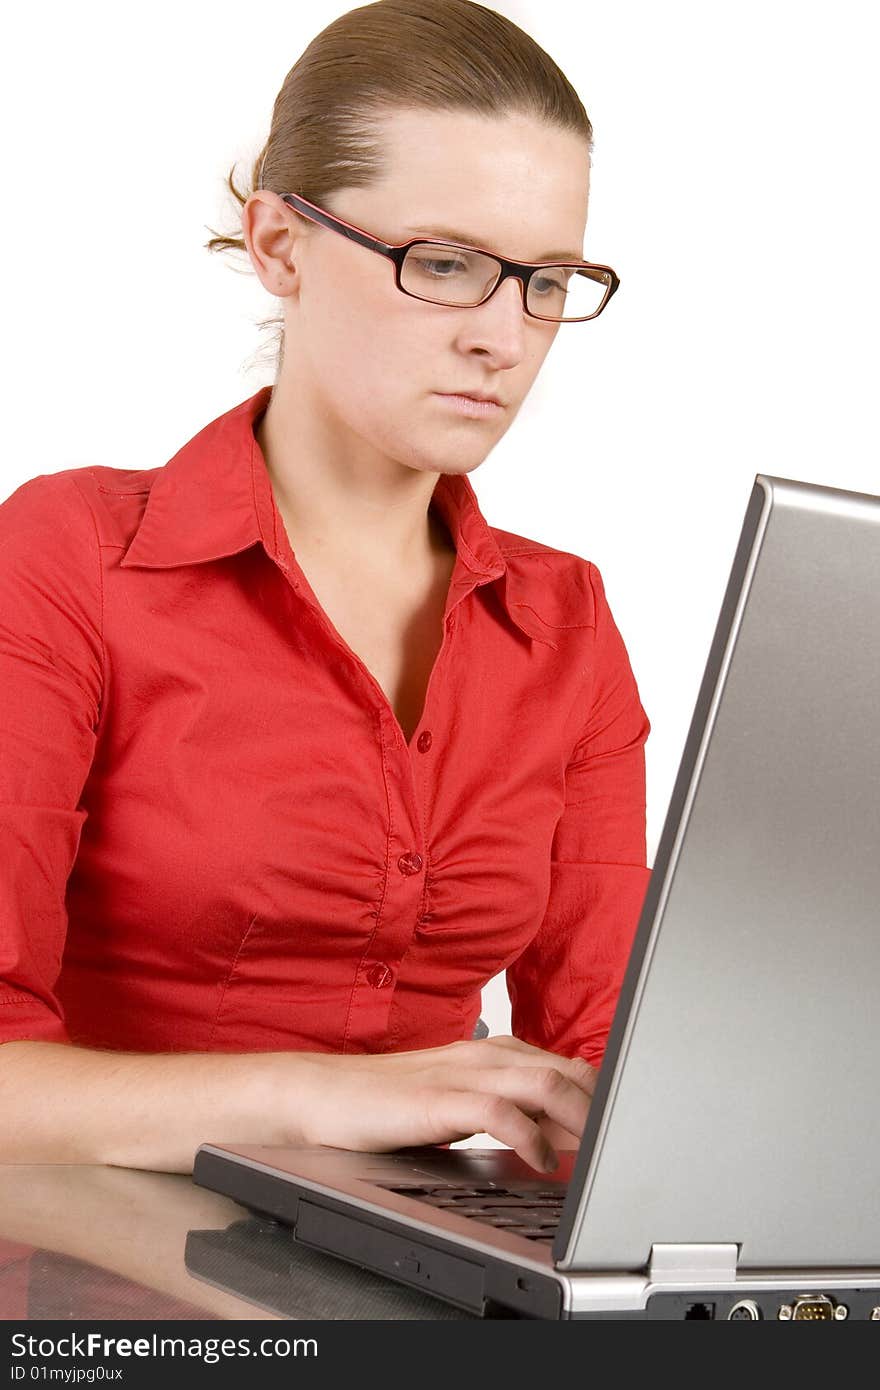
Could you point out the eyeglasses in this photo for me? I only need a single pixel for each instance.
(447, 272)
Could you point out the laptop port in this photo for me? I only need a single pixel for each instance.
(700, 1310)
(813, 1307)
(746, 1310)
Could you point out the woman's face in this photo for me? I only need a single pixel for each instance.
(377, 363)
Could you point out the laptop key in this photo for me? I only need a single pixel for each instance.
(534, 1232)
(502, 1222)
(524, 1203)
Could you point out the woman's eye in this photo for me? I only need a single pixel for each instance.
(542, 285)
(440, 268)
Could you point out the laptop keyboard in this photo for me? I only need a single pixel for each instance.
(530, 1212)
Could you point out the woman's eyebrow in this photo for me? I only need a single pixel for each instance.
(447, 233)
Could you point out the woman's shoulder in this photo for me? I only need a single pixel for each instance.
(563, 588)
(59, 508)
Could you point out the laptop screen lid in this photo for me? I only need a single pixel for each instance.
(738, 1103)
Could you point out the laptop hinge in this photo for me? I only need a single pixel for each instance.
(673, 1264)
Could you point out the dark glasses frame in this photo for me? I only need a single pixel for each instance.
(521, 270)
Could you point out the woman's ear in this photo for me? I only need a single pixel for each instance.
(273, 235)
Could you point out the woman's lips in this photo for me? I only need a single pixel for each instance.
(469, 405)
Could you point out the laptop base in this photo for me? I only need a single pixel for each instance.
(497, 1283)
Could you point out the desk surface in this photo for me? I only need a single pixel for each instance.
(83, 1242)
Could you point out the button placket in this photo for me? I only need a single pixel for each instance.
(377, 979)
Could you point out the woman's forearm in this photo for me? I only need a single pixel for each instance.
(64, 1104)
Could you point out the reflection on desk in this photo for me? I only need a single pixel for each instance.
(45, 1286)
(81, 1242)
(259, 1260)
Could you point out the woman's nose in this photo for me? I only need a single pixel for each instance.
(498, 326)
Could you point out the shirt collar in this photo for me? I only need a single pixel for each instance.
(214, 498)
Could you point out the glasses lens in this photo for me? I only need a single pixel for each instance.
(448, 275)
(567, 292)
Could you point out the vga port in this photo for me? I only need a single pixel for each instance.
(814, 1307)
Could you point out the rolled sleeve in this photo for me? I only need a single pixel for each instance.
(564, 987)
(51, 683)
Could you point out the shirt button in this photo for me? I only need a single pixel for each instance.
(409, 863)
(379, 975)
(424, 741)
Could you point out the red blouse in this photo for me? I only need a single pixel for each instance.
(214, 835)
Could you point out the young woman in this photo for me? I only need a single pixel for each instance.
(298, 752)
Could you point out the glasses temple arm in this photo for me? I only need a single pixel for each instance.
(335, 224)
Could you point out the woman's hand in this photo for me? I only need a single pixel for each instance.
(524, 1097)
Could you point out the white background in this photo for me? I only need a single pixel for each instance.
(734, 191)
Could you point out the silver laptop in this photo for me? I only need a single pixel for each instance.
(729, 1167)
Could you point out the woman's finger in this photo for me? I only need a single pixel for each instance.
(502, 1052)
(537, 1091)
(464, 1113)
(576, 1069)
(561, 1139)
